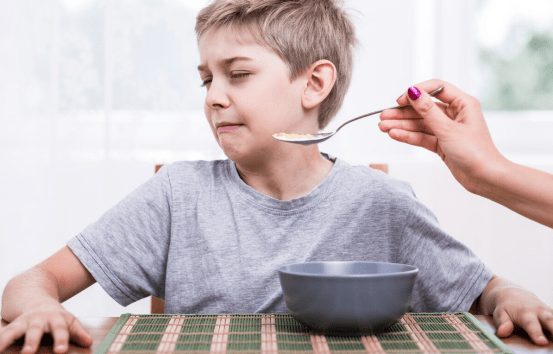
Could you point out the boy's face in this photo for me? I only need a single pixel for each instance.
(249, 95)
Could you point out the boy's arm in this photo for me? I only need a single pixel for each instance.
(513, 306)
(32, 303)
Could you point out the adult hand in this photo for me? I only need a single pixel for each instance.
(62, 325)
(454, 129)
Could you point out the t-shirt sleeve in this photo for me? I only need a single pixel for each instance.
(450, 275)
(126, 249)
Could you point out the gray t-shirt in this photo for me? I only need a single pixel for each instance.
(200, 238)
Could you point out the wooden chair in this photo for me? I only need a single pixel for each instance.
(158, 305)
(380, 166)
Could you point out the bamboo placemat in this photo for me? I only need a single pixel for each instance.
(279, 333)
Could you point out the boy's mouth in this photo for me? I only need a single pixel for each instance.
(227, 128)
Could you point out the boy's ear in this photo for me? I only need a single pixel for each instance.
(321, 76)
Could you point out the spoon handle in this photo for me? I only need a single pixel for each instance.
(433, 93)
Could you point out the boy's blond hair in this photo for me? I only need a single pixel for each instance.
(299, 31)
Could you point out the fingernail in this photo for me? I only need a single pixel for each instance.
(399, 97)
(414, 93)
(541, 338)
(60, 347)
(27, 348)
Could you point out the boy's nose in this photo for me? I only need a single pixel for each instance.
(216, 97)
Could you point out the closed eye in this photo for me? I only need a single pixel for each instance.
(239, 75)
(206, 82)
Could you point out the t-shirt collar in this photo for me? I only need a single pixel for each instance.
(319, 193)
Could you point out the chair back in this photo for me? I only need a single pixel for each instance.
(157, 306)
(380, 166)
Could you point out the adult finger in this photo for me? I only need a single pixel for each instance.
(503, 323)
(407, 112)
(60, 333)
(10, 334)
(532, 326)
(449, 94)
(35, 331)
(79, 334)
(423, 104)
(429, 142)
(412, 125)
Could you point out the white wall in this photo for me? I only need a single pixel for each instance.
(60, 170)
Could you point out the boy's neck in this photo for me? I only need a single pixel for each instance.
(287, 176)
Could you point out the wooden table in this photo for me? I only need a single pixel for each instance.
(98, 328)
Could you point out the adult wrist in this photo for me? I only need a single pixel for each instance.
(491, 175)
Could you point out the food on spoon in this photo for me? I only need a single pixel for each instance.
(293, 136)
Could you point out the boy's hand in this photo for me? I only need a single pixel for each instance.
(62, 325)
(518, 307)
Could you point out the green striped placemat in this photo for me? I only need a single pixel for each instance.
(279, 333)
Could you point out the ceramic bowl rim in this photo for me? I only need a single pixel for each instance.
(412, 271)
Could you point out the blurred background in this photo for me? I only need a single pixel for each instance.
(95, 93)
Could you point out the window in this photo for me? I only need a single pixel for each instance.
(516, 54)
(515, 75)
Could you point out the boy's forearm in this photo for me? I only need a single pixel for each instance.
(522, 189)
(33, 290)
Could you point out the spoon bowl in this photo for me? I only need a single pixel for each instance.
(316, 138)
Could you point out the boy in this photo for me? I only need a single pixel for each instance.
(208, 237)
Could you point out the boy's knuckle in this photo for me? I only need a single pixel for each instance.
(6, 333)
(59, 327)
(35, 324)
(74, 325)
(528, 320)
(61, 337)
(547, 317)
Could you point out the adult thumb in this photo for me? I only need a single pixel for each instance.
(433, 116)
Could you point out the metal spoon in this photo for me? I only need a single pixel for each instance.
(320, 137)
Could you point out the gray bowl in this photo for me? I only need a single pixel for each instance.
(344, 298)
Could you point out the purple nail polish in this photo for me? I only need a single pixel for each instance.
(414, 93)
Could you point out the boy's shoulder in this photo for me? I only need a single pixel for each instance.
(190, 177)
(373, 178)
(195, 169)
(364, 181)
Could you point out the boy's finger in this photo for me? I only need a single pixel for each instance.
(426, 141)
(34, 334)
(60, 333)
(503, 323)
(547, 322)
(10, 334)
(79, 334)
(532, 326)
